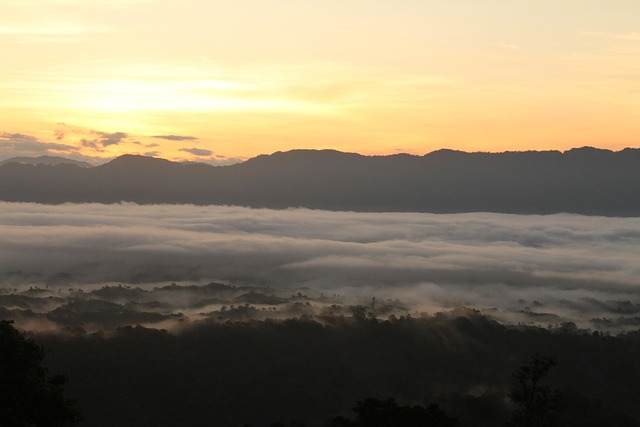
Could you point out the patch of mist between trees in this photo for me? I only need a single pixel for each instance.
(179, 306)
(540, 269)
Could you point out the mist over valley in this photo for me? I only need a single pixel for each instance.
(519, 268)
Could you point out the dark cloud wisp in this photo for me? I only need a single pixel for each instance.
(176, 137)
(13, 144)
(197, 151)
(108, 139)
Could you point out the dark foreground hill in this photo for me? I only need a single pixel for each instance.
(302, 372)
(585, 180)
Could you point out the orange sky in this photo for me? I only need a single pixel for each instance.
(219, 81)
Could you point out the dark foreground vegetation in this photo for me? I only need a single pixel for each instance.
(29, 395)
(459, 368)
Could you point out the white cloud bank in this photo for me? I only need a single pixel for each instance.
(480, 259)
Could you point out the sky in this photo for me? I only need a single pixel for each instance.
(221, 81)
(571, 265)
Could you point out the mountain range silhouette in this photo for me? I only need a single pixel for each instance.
(583, 180)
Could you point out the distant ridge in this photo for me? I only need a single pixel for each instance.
(46, 160)
(583, 180)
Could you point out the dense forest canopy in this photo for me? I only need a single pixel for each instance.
(242, 366)
(314, 369)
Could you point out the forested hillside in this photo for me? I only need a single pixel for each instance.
(308, 371)
(586, 181)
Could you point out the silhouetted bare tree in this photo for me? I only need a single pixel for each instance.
(539, 404)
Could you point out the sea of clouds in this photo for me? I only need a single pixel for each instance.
(577, 267)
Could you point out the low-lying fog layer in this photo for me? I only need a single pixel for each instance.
(545, 269)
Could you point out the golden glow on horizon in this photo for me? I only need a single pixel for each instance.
(138, 96)
(217, 81)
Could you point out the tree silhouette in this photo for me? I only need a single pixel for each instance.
(29, 396)
(539, 404)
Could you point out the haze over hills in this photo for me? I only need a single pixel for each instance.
(46, 160)
(584, 180)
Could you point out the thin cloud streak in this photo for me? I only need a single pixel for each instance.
(176, 137)
(197, 151)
